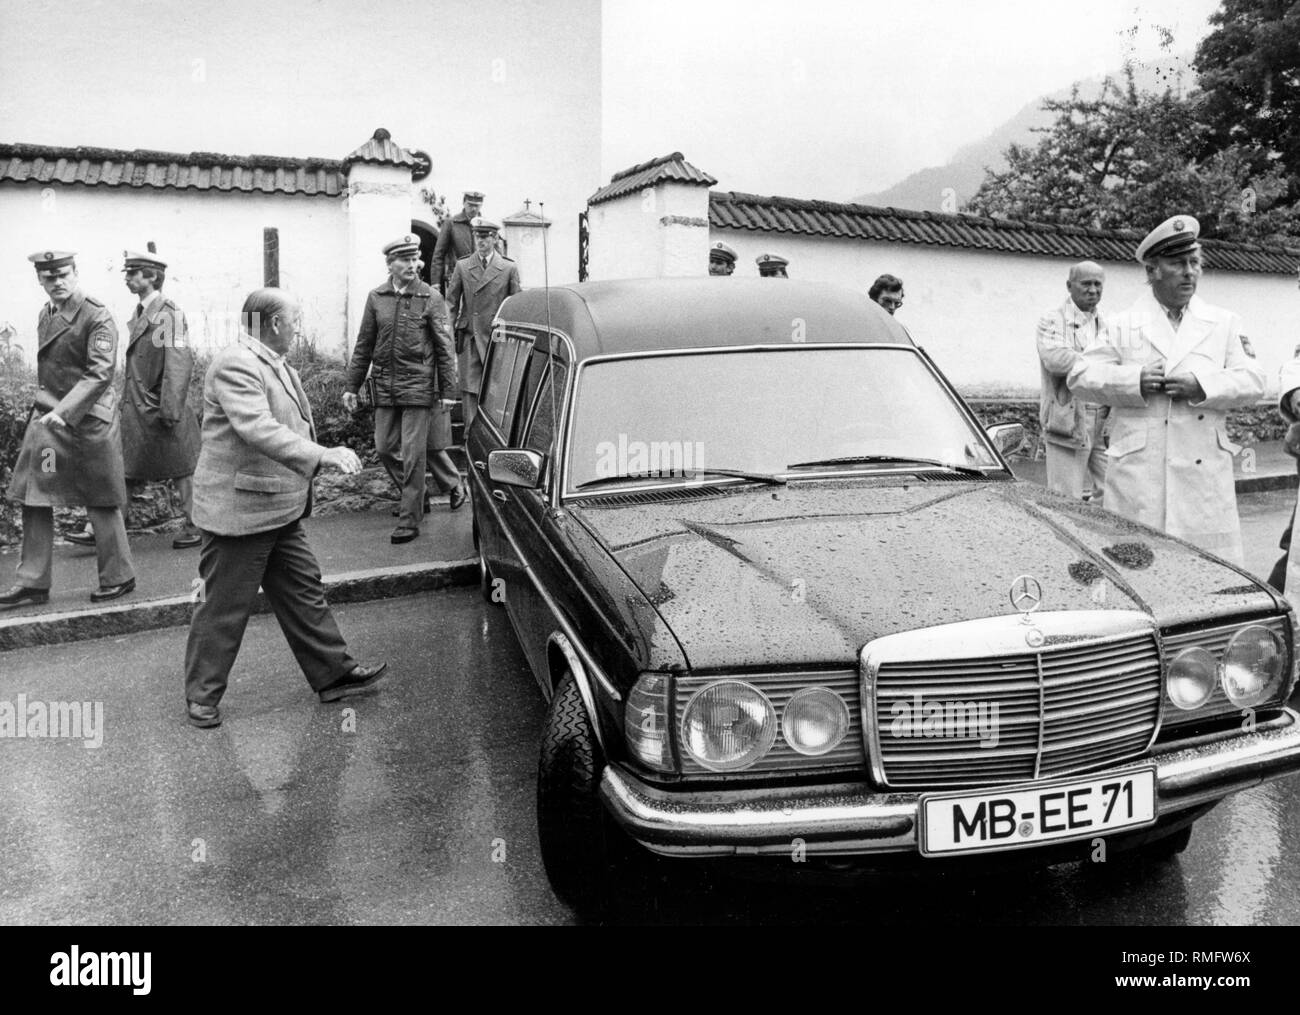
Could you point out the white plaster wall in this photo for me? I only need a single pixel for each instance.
(526, 251)
(379, 210)
(211, 241)
(683, 218)
(975, 312)
(624, 238)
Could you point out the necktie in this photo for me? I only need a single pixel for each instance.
(139, 310)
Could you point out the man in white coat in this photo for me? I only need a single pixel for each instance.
(1171, 366)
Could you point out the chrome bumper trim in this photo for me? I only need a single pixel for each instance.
(853, 819)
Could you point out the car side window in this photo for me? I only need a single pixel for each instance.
(545, 417)
(509, 356)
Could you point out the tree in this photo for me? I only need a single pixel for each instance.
(1249, 78)
(1129, 160)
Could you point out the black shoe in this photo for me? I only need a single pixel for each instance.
(107, 592)
(360, 678)
(203, 716)
(22, 594)
(187, 538)
(86, 537)
(403, 534)
(458, 497)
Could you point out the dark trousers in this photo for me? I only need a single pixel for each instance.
(401, 439)
(230, 570)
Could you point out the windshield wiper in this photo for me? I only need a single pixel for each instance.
(757, 477)
(965, 470)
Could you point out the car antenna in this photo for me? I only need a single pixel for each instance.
(550, 335)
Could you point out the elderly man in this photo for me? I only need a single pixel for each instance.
(455, 240)
(404, 338)
(1071, 427)
(252, 488)
(71, 451)
(722, 259)
(1171, 366)
(480, 284)
(887, 291)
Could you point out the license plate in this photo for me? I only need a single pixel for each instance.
(1016, 817)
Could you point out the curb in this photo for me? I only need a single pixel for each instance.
(175, 611)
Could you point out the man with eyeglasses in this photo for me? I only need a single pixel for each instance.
(888, 292)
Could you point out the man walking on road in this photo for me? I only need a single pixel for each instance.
(252, 488)
(1171, 366)
(71, 451)
(481, 283)
(1071, 427)
(404, 339)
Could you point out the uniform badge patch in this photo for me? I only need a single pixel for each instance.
(103, 344)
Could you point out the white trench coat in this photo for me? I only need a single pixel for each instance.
(1170, 462)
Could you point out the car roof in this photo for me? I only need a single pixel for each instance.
(654, 314)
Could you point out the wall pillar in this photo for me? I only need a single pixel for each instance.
(379, 210)
(525, 233)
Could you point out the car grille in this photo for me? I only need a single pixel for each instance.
(1058, 710)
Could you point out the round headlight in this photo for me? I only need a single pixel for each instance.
(1253, 666)
(1192, 676)
(728, 725)
(815, 720)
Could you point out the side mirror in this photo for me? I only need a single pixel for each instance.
(516, 468)
(1008, 438)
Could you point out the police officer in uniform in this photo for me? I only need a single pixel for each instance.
(71, 451)
(772, 266)
(455, 239)
(722, 259)
(1170, 367)
(480, 284)
(405, 344)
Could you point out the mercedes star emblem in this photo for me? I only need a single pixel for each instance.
(1026, 595)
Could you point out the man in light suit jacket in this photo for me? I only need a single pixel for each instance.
(1072, 428)
(479, 285)
(252, 488)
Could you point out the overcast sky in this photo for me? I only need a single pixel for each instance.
(823, 98)
(830, 98)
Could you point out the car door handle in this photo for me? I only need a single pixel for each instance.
(500, 495)
(480, 466)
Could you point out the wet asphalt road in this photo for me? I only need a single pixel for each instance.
(421, 809)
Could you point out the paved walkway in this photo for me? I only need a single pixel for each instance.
(356, 558)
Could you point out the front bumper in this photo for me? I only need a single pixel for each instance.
(851, 818)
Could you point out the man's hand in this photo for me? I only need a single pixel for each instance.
(1153, 378)
(52, 418)
(343, 459)
(1184, 387)
(349, 401)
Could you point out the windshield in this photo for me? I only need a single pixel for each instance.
(765, 413)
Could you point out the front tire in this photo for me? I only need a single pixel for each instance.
(576, 835)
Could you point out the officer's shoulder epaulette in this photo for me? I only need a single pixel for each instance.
(466, 257)
(93, 302)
